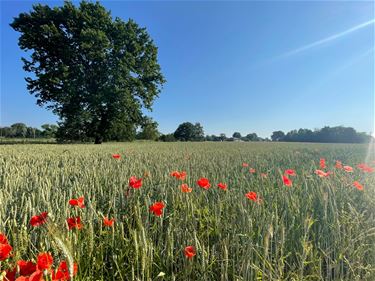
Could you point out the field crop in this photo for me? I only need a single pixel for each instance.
(321, 227)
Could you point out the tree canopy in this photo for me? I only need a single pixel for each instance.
(189, 132)
(95, 72)
(338, 134)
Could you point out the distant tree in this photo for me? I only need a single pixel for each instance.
(277, 136)
(149, 130)
(338, 134)
(189, 132)
(95, 72)
(252, 137)
(167, 138)
(198, 132)
(18, 130)
(49, 130)
(236, 135)
(222, 137)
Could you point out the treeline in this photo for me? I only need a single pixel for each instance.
(194, 132)
(21, 130)
(338, 134)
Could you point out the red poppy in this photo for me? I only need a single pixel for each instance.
(348, 169)
(134, 182)
(358, 185)
(62, 273)
(338, 164)
(5, 250)
(39, 219)
(322, 163)
(157, 208)
(36, 276)
(26, 267)
(365, 168)
(23, 278)
(323, 174)
(190, 252)
(287, 181)
(290, 172)
(252, 170)
(179, 175)
(3, 239)
(245, 165)
(252, 196)
(108, 222)
(204, 183)
(78, 202)
(222, 186)
(44, 261)
(263, 175)
(185, 188)
(10, 275)
(116, 156)
(74, 222)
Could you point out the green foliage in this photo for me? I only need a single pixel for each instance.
(21, 131)
(327, 134)
(149, 130)
(189, 132)
(236, 135)
(318, 229)
(277, 136)
(94, 72)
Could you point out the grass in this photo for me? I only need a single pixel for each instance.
(318, 229)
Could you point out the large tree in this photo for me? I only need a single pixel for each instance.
(96, 73)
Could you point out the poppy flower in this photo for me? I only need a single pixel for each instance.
(348, 169)
(63, 273)
(26, 267)
(5, 250)
(134, 182)
(252, 196)
(338, 165)
(157, 208)
(365, 168)
(3, 239)
(290, 172)
(74, 222)
(36, 276)
(185, 188)
(222, 186)
(116, 156)
(78, 202)
(25, 278)
(39, 219)
(322, 163)
(263, 175)
(204, 183)
(358, 185)
(323, 174)
(108, 222)
(287, 181)
(179, 175)
(44, 261)
(245, 165)
(10, 275)
(252, 170)
(190, 252)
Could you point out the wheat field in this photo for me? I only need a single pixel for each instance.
(319, 228)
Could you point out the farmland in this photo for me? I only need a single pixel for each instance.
(318, 228)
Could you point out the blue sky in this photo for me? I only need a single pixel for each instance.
(236, 66)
